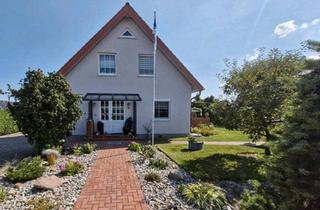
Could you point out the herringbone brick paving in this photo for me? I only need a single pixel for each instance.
(112, 183)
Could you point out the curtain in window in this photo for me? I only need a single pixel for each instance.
(107, 64)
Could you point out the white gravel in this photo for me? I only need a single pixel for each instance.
(162, 195)
(64, 196)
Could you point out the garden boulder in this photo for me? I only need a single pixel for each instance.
(48, 182)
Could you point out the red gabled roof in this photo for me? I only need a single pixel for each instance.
(128, 12)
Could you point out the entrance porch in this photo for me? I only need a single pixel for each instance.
(115, 116)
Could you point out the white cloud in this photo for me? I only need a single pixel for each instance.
(315, 21)
(304, 26)
(312, 23)
(284, 29)
(254, 55)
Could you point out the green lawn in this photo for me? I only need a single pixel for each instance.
(218, 162)
(222, 135)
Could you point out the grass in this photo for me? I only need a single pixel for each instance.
(219, 162)
(223, 134)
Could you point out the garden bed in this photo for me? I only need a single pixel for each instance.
(164, 194)
(63, 197)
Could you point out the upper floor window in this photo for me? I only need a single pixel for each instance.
(146, 64)
(107, 64)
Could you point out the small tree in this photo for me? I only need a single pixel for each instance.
(46, 110)
(295, 165)
(258, 90)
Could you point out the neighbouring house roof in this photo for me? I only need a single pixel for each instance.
(128, 12)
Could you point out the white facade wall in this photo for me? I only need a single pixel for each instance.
(170, 84)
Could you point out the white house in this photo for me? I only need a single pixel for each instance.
(113, 72)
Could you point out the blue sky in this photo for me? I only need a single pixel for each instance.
(45, 34)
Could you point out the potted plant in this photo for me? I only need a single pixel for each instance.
(51, 156)
(193, 144)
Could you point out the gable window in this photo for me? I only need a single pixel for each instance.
(107, 64)
(161, 109)
(127, 34)
(145, 64)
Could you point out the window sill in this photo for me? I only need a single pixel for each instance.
(161, 119)
(107, 75)
(145, 75)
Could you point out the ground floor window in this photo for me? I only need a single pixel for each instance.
(161, 109)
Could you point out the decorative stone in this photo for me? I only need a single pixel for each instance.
(19, 185)
(176, 175)
(48, 183)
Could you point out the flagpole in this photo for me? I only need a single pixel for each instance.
(154, 75)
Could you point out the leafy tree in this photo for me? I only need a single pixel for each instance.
(296, 161)
(1, 92)
(313, 45)
(216, 108)
(46, 110)
(258, 90)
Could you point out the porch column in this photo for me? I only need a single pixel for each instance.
(134, 118)
(90, 122)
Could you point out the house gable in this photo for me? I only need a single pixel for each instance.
(128, 12)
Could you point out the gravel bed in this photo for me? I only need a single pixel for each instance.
(64, 196)
(162, 195)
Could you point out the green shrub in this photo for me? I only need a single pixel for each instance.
(71, 168)
(88, 148)
(204, 195)
(195, 130)
(7, 124)
(204, 130)
(41, 204)
(148, 151)
(27, 169)
(77, 150)
(261, 198)
(158, 163)
(3, 194)
(135, 147)
(152, 177)
(207, 132)
(192, 139)
(47, 110)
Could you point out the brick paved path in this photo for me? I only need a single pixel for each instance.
(112, 183)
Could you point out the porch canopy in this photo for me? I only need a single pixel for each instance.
(111, 97)
(90, 97)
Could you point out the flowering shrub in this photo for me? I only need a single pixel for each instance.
(71, 168)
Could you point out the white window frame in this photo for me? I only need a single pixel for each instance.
(145, 75)
(169, 110)
(115, 64)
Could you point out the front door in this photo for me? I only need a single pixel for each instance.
(112, 115)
